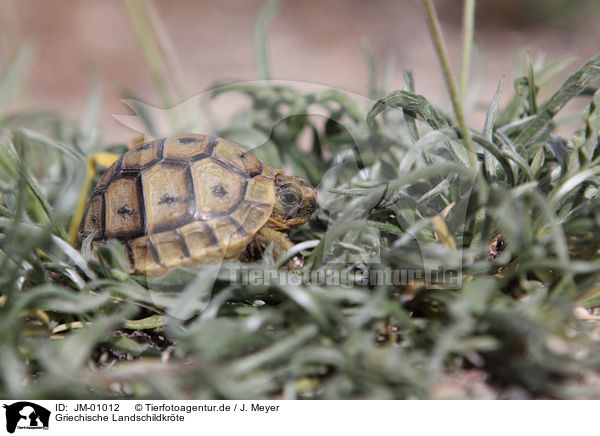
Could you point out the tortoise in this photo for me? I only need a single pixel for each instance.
(193, 199)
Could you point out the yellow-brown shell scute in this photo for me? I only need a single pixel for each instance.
(181, 201)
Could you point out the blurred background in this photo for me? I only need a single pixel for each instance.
(314, 41)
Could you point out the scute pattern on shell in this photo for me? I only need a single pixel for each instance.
(181, 201)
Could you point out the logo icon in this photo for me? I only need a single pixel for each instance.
(26, 415)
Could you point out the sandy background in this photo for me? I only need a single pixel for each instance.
(313, 41)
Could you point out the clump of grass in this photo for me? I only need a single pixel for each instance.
(521, 228)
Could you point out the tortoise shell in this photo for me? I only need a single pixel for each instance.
(181, 201)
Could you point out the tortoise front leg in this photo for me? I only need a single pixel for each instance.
(281, 244)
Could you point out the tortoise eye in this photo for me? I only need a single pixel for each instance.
(289, 198)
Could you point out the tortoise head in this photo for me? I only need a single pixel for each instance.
(295, 201)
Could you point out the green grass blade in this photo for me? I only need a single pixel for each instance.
(372, 68)
(411, 102)
(13, 74)
(261, 52)
(572, 87)
(409, 116)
